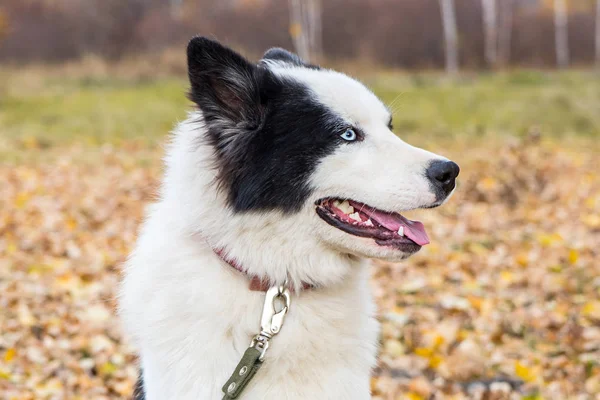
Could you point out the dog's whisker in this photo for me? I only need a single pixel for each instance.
(393, 103)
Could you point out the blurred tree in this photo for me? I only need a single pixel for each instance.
(450, 35)
(305, 28)
(598, 33)
(490, 31)
(573, 5)
(390, 32)
(505, 40)
(176, 8)
(561, 33)
(3, 24)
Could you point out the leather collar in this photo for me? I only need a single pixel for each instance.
(257, 284)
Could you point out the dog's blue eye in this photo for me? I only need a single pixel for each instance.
(349, 135)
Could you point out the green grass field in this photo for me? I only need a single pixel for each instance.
(59, 109)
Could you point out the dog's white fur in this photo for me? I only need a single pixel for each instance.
(193, 316)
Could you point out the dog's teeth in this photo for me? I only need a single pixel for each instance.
(345, 207)
(337, 203)
(369, 222)
(355, 216)
(401, 231)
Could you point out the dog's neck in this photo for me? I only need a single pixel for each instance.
(256, 283)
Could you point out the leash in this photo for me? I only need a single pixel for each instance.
(253, 358)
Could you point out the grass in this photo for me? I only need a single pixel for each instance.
(555, 104)
(94, 111)
(39, 109)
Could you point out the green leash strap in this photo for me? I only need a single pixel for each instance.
(244, 372)
(252, 360)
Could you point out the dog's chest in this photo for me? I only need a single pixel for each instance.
(326, 348)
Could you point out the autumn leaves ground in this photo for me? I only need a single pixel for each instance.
(504, 302)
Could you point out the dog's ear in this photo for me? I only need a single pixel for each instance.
(282, 55)
(223, 83)
(279, 54)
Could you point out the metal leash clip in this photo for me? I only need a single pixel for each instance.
(277, 304)
(271, 320)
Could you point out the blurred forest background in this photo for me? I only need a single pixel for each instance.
(503, 304)
(397, 33)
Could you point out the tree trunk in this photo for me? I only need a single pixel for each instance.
(176, 8)
(297, 29)
(561, 33)
(450, 35)
(598, 33)
(505, 40)
(305, 28)
(314, 31)
(491, 31)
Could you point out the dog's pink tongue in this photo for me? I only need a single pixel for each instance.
(414, 230)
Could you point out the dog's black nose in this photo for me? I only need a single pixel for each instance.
(443, 175)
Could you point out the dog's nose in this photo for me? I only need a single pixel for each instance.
(443, 175)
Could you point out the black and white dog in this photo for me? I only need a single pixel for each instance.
(287, 174)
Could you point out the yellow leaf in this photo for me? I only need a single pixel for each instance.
(591, 220)
(476, 302)
(374, 384)
(435, 360)
(413, 396)
(488, 183)
(573, 256)
(423, 352)
(549, 239)
(555, 268)
(71, 223)
(463, 334)
(21, 200)
(524, 372)
(394, 348)
(438, 341)
(10, 354)
(591, 309)
(107, 368)
(523, 259)
(11, 248)
(506, 276)
(591, 202)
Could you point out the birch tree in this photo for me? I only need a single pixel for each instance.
(561, 33)
(450, 35)
(305, 28)
(598, 33)
(505, 36)
(176, 8)
(491, 31)
(315, 29)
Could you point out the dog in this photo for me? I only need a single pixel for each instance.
(286, 177)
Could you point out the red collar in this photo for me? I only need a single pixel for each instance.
(256, 283)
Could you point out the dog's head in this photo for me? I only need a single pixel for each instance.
(311, 151)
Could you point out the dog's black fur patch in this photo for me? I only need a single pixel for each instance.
(279, 54)
(268, 132)
(138, 391)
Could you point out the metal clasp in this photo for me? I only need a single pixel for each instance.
(271, 319)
